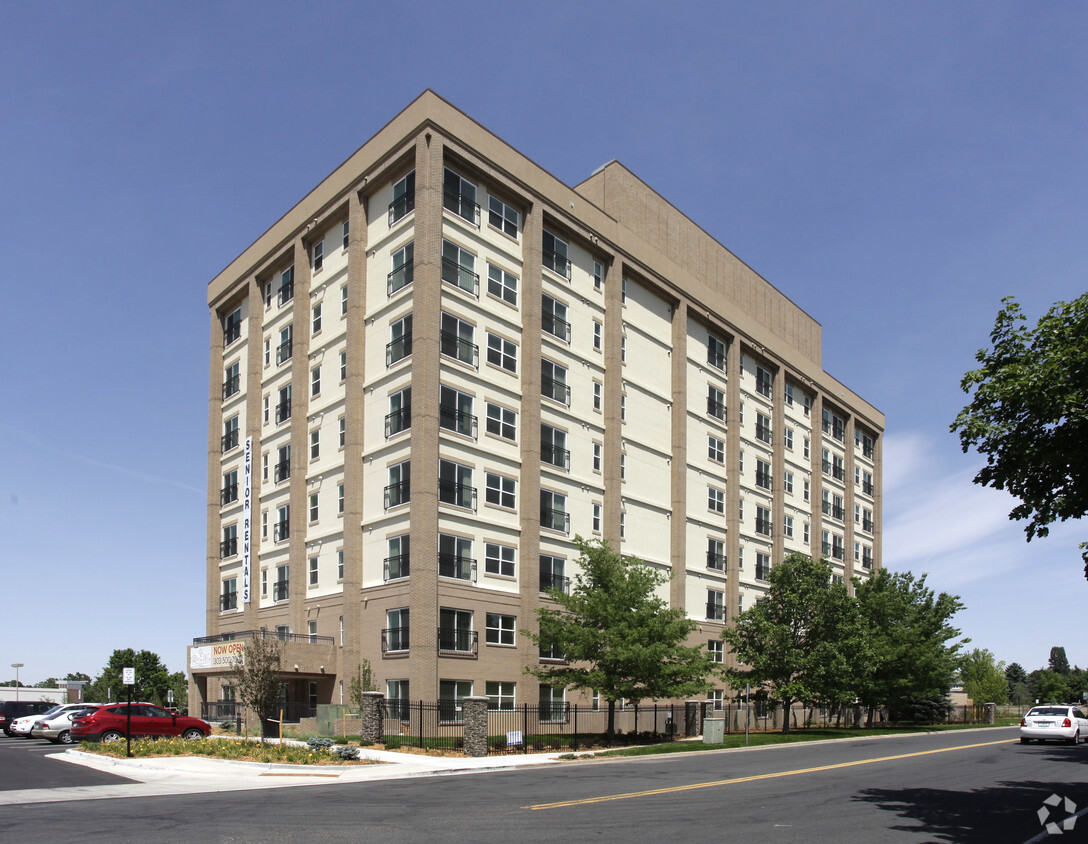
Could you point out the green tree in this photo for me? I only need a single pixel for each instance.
(362, 681)
(152, 678)
(1015, 673)
(620, 639)
(47, 683)
(1029, 414)
(1017, 679)
(909, 630)
(1059, 662)
(801, 641)
(1049, 686)
(256, 676)
(984, 678)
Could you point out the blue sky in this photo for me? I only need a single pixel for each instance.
(895, 169)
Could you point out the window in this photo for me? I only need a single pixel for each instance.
(228, 597)
(787, 482)
(500, 629)
(740, 462)
(397, 563)
(552, 703)
(715, 500)
(404, 198)
(715, 605)
(553, 318)
(787, 437)
(501, 421)
(230, 433)
(315, 319)
(500, 490)
(315, 381)
(455, 557)
(402, 272)
(554, 255)
(313, 506)
(597, 450)
(229, 546)
(282, 529)
(623, 466)
(715, 449)
(399, 417)
(715, 352)
(459, 268)
(857, 552)
(807, 489)
(340, 499)
(715, 402)
(499, 559)
(789, 395)
(598, 335)
(281, 591)
(834, 424)
(553, 382)
(763, 566)
(807, 449)
(715, 699)
(400, 340)
(806, 536)
(764, 380)
(553, 447)
(399, 490)
(457, 340)
(264, 582)
(229, 493)
(395, 636)
(715, 554)
(232, 380)
(867, 445)
(456, 635)
(763, 521)
(763, 474)
(623, 407)
(598, 275)
(623, 350)
(502, 216)
(232, 327)
(264, 466)
(282, 470)
(315, 443)
(396, 699)
(455, 485)
(500, 695)
(867, 483)
(623, 291)
(763, 428)
(312, 574)
(284, 349)
(502, 284)
(287, 286)
(552, 573)
(553, 511)
(455, 412)
(740, 413)
(459, 196)
(502, 353)
(623, 525)
(344, 230)
(716, 648)
(344, 300)
(598, 390)
(740, 509)
(787, 526)
(596, 518)
(340, 576)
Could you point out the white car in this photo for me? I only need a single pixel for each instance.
(57, 726)
(1054, 722)
(21, 726)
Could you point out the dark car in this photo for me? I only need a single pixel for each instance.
(12, 709)
(111, 722)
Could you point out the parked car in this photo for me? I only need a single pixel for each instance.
(12, 709)
(1054, 723)
(56, 726)
(110, 723)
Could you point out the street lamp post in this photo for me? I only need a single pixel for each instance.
(17, 666)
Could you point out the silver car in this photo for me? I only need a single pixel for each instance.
(55, 725)
(1054, 722)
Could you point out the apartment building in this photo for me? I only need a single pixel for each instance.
(443, 364)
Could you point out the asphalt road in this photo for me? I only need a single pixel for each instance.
(23, 764)
(970, 786)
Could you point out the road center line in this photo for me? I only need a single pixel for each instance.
(673, 789)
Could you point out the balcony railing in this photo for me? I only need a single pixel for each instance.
(232, 333)
(281, 471)
(230, 440)
(555, 519)
(281, 531)
(763, 387)
(715, 611)
(825, 548)
(866, 561)
(715, 561)
(283, 412)
(867, 525)
(281, 590)
(458, 568)
(836, 551)
(867, 488)
(763, 572)
(837, 512)
(555, 326)
(763, 527)
(457, 494)
(715, 358)
(228, 548)
(283, 351)
(301, 638)
(456, 420)
(763, 479)
(402, 205)
(837, 472)
(555, 390)
(548, 580)
(231, 386)
(397, 494)
(461, 205)
(458, 642)
(556, 263)
(763, 433)
(867, 451)
(398, 349)
(461, 277)
(397, 567)
(228, 494)
(716, 409)
(838, 431)
(228, 601)
(460, 349)
(394, 640)
(553, 455)
(287, 292)
(398, 420)
(400, 277)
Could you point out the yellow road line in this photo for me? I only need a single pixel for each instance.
(716, 783)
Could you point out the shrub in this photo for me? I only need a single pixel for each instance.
(348, 752)
(392, 743)
(226, 726)
(365, 743)
(320, 743)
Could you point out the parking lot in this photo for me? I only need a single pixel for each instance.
(25, 763)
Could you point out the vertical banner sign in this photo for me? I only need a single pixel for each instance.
(247, 520)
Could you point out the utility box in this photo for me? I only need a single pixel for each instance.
(713, 731)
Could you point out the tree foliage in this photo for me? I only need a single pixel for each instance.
(802, 640)
(909, 630)
(1059, 662)
(1029, 414)
(362, 681)
(1049, 686)
(153, 680)
(984, 677)
(618, 637)
(256, 676)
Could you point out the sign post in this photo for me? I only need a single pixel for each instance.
(128, 677)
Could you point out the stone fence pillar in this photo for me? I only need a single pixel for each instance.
(991, 712)
(474, 712)
(692, 727)
(373, 715)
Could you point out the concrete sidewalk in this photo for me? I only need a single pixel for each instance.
(165, 775)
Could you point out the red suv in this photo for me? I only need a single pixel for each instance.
(110, 723)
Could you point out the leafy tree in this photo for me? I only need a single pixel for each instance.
(1059, 662)
(1015, 673)
(1017, 679)
(909, 630)
(13, 683)
(363, 681)
(620, 639)
(801, 641)
(984, 678)
(152, 678)
(256, 676)
(1049, 686)
(47, 683)
(1029, 414)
